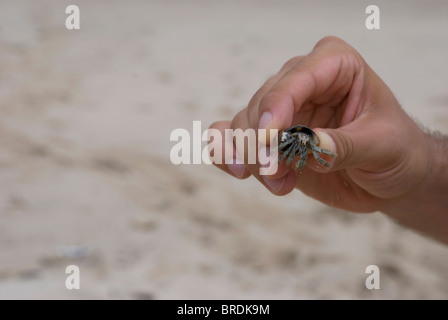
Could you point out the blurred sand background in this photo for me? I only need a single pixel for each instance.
(85, 174)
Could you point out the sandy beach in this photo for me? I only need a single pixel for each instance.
(85, 173)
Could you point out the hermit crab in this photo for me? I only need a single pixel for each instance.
(300, 141)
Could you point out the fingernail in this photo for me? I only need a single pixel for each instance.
(263, 154)
(265, 120)
(274, 184)
(236, 165)
(325, 141)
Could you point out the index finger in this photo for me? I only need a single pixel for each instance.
(323, 76)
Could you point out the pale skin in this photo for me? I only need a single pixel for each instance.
(385, 162)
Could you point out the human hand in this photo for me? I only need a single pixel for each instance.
(382, 154)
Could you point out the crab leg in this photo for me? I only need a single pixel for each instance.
(303, 157)
(282, 145)
(293, 154)
(319, 159)
(285, 143)
(321, 150)
(284, 154)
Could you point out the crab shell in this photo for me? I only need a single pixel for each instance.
(298, 128)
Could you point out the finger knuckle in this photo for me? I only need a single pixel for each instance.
(291, 63)
(262, 91)
(329, 40)
(270, 99)
(345, 148)
(238, 119)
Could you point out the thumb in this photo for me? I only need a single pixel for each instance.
(357, 145)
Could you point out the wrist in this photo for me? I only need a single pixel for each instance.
(424, 208)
